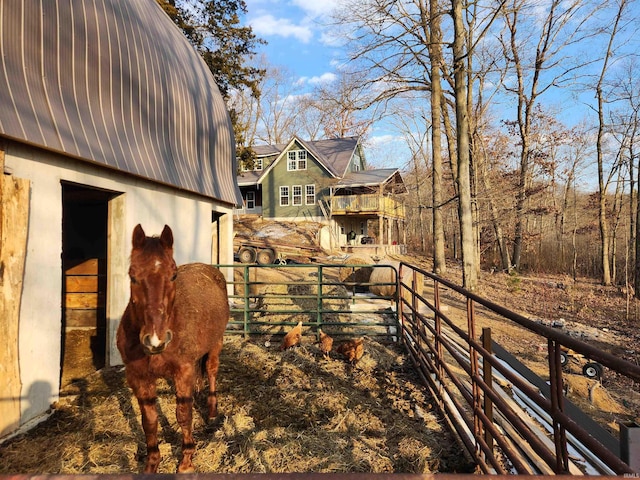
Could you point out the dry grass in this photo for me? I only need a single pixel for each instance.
(287, 411)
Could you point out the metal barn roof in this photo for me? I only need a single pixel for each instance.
(115, 82)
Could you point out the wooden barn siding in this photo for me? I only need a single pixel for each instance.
(14, 217)
(115, 82)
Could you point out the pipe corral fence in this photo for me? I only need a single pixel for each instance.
(508, 418)
(270, 299)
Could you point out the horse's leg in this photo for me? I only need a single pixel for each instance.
(213, 363)
(145, 392)
(184, 382)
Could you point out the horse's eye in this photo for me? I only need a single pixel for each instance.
(173, 278)
(133, 280)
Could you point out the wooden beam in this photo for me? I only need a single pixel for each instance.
(14, 216)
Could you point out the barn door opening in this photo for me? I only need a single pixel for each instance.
(84, 270)
(215, 237)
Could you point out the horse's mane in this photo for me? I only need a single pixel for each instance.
(153, 247)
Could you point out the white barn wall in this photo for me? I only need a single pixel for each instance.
(143, 202)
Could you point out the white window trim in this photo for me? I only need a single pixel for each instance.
(298, 196)
(251, 199)
(307, 195)
(302, 157)
(299, 158)
(287, 196)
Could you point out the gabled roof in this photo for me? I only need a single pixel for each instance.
(333, 154)
(371, 178)
(116, 83)
(336, 152)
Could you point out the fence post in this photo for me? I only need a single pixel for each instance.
(557, 405)
(319, 300)
(246, 301)
(487, 375)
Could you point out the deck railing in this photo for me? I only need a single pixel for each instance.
(367, 203)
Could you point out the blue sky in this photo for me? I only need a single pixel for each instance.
(295, 32)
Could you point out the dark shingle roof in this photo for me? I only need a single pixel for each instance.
(370, 178)
(334, 154)
(115, 82)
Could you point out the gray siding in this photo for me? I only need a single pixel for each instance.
(115, 82)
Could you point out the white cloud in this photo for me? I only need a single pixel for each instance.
(283, 27)
(316, 8)
(384, 139)
(327, 77)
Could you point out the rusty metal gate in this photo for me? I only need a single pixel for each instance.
(510, 419)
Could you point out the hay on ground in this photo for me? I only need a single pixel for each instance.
(289, 411)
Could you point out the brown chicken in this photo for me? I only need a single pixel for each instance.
(352, 350)
(326, 343)
(293, 337)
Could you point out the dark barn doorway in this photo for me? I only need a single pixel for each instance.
(84, 270)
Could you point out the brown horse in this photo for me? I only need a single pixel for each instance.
(175, 319)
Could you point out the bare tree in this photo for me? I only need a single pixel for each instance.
(600, 109)
(435, 54)
(548, 38)
(465, 212)
(411, 119)
(276, 115)
(344, 106)
(390, 47)
(393, 44)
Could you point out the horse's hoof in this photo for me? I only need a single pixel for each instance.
(150, 468)
(188, 469)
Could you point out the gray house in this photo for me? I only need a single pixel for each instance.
(326, 181)
(108, 118)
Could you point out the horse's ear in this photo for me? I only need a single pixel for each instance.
(167, 236)
(139, 237)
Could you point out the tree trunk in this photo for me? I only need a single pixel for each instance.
(505, 262)
(435, 52)
(465, 211)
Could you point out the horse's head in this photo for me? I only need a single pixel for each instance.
(153, 287)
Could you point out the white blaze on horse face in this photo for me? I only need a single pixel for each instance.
(154, 340)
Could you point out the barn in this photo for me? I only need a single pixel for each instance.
(108, 118)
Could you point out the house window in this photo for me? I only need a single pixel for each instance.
(250, 201)
(362, 232)
(297, 194)
(310, 194)
(257, 165)
(297, 160)
(284, 196)
(356, 167)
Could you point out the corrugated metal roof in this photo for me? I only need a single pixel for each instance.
(116, 83)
